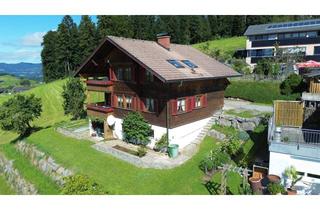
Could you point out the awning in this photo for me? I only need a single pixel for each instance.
(308, 64)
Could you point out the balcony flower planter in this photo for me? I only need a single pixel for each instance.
(255, 184)
(273, 178)
(291, 191)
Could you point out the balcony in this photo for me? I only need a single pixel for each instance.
(284, 42)
(99, 109)
(294, 141)
(99, 85)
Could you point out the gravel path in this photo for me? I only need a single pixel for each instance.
(246, 105)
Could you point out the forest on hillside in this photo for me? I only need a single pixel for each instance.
(66, 48)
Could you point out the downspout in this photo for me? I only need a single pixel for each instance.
(168, 112)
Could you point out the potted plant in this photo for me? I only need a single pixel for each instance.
(275, 189)
(292, 174)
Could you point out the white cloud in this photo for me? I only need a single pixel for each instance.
(33, 40)
(21, 55)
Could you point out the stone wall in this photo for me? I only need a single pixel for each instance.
(246, 124)
(44, 162)
(16, 181)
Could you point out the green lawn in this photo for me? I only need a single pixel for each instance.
(43, 183)
(5, 189)
(257, 91)
(51, 105)
(244, 113)
(119, 177)
(234, 181)
(227, 45)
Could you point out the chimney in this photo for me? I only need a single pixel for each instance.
(164, 40)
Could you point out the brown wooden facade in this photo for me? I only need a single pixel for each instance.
(133, 89)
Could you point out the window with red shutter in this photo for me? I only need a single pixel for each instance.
(204, 100)
(173, 103)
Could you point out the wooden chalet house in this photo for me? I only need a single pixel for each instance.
(175, 87)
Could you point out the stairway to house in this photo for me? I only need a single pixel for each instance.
(192, 148)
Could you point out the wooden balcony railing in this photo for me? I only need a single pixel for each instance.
(99, 82)
(99, 107)
(314, 87)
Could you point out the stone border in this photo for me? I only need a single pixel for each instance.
(16, 181)
(44, 162)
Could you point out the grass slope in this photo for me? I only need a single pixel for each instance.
(119, 177)
(52, 110)
(227, 45)
(4, 187)
(32, 174)
(9, 80)
(257, 91)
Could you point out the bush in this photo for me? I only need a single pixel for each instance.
(25, 82)
(142, 151)
(162, 143)
(213, 160)
(136, 129)
(81, 185)
(231, 147)
(73, 98)
(292, 84)
(275, 188)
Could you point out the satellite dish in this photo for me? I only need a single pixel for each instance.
(111, 120)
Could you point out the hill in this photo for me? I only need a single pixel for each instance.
(12, 81)
(52, 113)
(28, 70)
(226, 45)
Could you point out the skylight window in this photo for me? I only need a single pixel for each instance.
(175, 63)
(189, 63)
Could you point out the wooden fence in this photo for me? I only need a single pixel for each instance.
(288, 113)
(314, 87)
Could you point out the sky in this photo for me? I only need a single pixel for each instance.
(21, 36)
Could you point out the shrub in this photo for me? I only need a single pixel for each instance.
(25, 82)
(17, 113)
(213, 160)
(162, 143)
(73, 98)
(81, 185)
(292, 84)
(142, 151)
(275, 188)
(136, 129)
(231, 147)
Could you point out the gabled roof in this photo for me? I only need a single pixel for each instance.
(153, 57)
(293, 26)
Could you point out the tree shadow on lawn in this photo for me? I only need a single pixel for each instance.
(27, 134)
(259, 150)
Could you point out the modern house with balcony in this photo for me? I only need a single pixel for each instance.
(301, 37)
(176, 88)
(294, 136)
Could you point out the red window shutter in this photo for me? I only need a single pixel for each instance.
(142, 104)
(142, 75)
(204, 100)
(190, 103)
(173, 106)
(112, 74)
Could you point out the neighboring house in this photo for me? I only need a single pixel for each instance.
(294, 136)
(301, 37)
(175, 87)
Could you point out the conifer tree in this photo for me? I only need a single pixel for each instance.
(87, 36)
(49, 57)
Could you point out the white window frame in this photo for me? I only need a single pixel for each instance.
(128, 102)
(181, 105)
(120, 101)
(198, 103)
